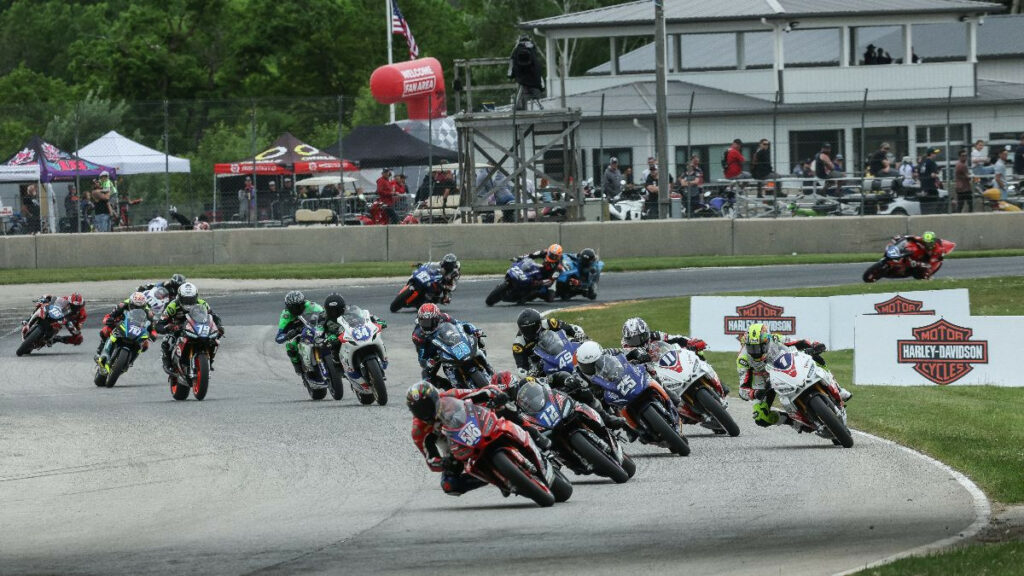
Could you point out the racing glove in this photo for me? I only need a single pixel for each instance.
(638, 355)
(451, 465)
(697, 345)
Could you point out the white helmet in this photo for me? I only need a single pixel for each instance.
(137, 300)
(188, 294)
(635, 332)
(586, 355)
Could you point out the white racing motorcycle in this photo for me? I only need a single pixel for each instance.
(158, 298)
(809, 393)
(363, 356)
(694, 380)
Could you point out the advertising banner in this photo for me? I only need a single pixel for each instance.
(933, 350)
(719, 320)
(845, 309)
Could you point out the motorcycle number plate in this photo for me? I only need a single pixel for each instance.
(549, 416)
(423, 277)
(518, 273)
(203, 330)
(625, 386)
(361, 333)
(460, 349)
(564, 359)
(469, 434)
(892, 251)
(135, 331)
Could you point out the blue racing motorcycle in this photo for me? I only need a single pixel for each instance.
(571, 283)
(554, 352)
(423, 286)
(523, 282)
(462, 361)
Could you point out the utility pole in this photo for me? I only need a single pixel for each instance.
(661, 112)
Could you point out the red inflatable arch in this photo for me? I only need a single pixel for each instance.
(418, 83)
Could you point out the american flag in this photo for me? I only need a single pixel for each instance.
(400, 26)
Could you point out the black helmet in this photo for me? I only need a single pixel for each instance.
(449, 262)
(529, 323)
(587, 257)
(175, 281)
(422, 399)
(334, 306)
(295, 302)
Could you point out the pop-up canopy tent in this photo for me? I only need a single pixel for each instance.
(130, 157)
(287, 155)
(389, 145)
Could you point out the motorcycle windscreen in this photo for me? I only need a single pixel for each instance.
(550, 343)
(532, 398)
(609, 368)
(198, 314)
(354, 317)
(452, 413)
(136, 321)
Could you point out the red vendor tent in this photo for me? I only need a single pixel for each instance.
(287, 155)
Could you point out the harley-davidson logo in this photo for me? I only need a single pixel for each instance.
(942, 352)
(760, 311)
(900, 305)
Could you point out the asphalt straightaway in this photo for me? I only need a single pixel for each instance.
(258, 479)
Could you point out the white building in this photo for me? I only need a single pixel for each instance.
(792, 71)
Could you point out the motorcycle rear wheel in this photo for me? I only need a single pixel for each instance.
(365, 399)
(628, 465)
(202, 382)
(117, 367)
(676, 443)
(179, 391)
(712, 406)
(497, 294)
(29, 344)
(334, 382)
(831, 421)
(603, 464)
(99, 379)
(478, 379)
(561, 487)
(375, 375)
(522, 482)
(874, 272)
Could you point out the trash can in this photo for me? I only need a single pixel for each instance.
(676, 209)
(595, 209)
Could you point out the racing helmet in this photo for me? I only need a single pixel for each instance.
(554, 254)
(428, 317)
(587, 257)
(529, 321)
(586, 355)
(422, 400)
(531, 397)
(449, 262)
(334, 306)
(175, 281)
(295, 302)
(929, 238)
(758, 340)
(76, 301)
(137, 300)
(188, 294)
(635, 332)
(502, 380)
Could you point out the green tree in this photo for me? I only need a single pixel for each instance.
(91, 117)
(28, 100)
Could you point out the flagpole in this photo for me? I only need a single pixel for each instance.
(390, 15)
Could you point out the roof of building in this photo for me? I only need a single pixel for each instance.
(682, 11)
(637, 99)
(999, 37)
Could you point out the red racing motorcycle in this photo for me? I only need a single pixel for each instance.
(899, 262)
(501, 453)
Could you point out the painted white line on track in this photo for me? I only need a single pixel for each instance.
(982, 512)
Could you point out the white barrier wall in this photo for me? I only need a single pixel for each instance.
(929, 350)
(719, 320)
(845, 309)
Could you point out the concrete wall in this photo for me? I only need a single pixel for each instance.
(497, 241)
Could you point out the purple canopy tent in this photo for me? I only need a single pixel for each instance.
(43, 162)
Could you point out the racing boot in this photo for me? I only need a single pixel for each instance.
(165, 357)
(539, 439)
(297, 366)
(845, 394)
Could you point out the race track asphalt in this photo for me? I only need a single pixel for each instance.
(259, 479)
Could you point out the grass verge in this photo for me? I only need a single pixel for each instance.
(978, 430)
(377, 269)
(982, 560)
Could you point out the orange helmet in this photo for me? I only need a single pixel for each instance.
(554, 254)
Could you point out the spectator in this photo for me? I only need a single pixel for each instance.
(929, 172)
(734, 160)
(30, 208)
(908, 173)
(869, 55)
(999, 169)
(652, 163)
(691, 180)
(875, 163)
(962, 179)
(1018, 158)
(110, 188)
(245, 194)
(101, 203)
(73, 209)
(761, 166)
(611, 184)
(386, 195)
(979, 159)
(401, 187)
(627, 175)
(524, 66)
(887, 170)
(840, 164)
(651, 188)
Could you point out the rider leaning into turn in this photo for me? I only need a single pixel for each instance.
(428, 318)
(136, 301)
(74, 316)
(637, 334)
(451, 270)
(335, 325)
(926, 253)
(586, 265)
(551, 265)
(296, 305)
(759, 347)
(531, 326)
(172, 285)
(174, 316)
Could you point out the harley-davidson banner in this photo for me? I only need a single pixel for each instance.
(720, 320)
(932, 350)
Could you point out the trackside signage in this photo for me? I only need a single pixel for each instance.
(845, 309)
(933, 350)
(720, 320)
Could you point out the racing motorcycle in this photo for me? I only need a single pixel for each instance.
(362, 357)
(554, 352)
(523, 282)
(693, 379)
(319, 371)
(190, 357)
(45, 322)
(122, 348)
(579, 438)
(158, 298)
(501, 453)
(809, 393)
(423, 286)
(642, 401)
(570, 283)
(898, 263)
(463, 362)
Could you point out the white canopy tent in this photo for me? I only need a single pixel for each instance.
(130, 157)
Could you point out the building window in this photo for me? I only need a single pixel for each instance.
(895, 136)
(601, 157)
(805, 144)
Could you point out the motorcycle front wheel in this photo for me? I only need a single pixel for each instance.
(497, 294)
(831, 421)
(602, 463)
(375, 375)
(676, 443)
(33, 336)
(401, 299)
(334, 382)
(523, 483)
(875, 272)
(712, 406)
(202, 381)
(117, 367)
